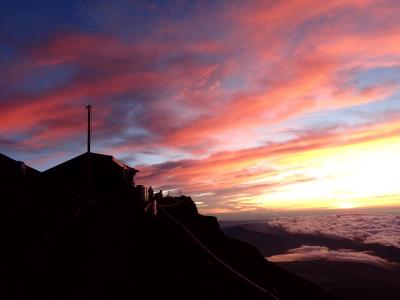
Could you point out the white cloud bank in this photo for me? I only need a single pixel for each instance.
(366, 228)
(312, 253)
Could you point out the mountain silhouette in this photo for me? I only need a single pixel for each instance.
(79, 231)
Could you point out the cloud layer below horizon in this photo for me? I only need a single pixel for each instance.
(365, 228)
(312, 253)
(247, 106)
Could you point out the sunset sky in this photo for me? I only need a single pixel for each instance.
(247, 106)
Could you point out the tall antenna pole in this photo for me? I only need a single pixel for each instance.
(89, 131)
(89, 165)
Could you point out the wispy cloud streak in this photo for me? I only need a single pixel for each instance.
(230, 101)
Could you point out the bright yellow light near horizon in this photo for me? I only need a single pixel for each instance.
(358, 175)
(346, 205)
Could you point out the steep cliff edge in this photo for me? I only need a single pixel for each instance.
(64, 242)
(112, 251)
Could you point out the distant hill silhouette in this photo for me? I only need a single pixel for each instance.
(79, 231)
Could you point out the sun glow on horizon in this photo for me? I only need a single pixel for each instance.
(340, 177)
(346, 205)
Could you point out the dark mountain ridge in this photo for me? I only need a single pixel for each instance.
(73, 239)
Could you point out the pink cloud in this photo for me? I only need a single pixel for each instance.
(198, 94)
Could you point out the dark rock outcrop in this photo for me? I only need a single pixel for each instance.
(111, 249)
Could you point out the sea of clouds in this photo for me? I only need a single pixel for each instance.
(365, 228)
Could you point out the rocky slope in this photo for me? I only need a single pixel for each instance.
(109, 248)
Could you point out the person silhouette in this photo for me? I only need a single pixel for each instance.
(151, 193)
(159, 195)
(152, 201)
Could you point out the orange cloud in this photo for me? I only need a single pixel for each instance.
(208, 100)
(243, 175)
